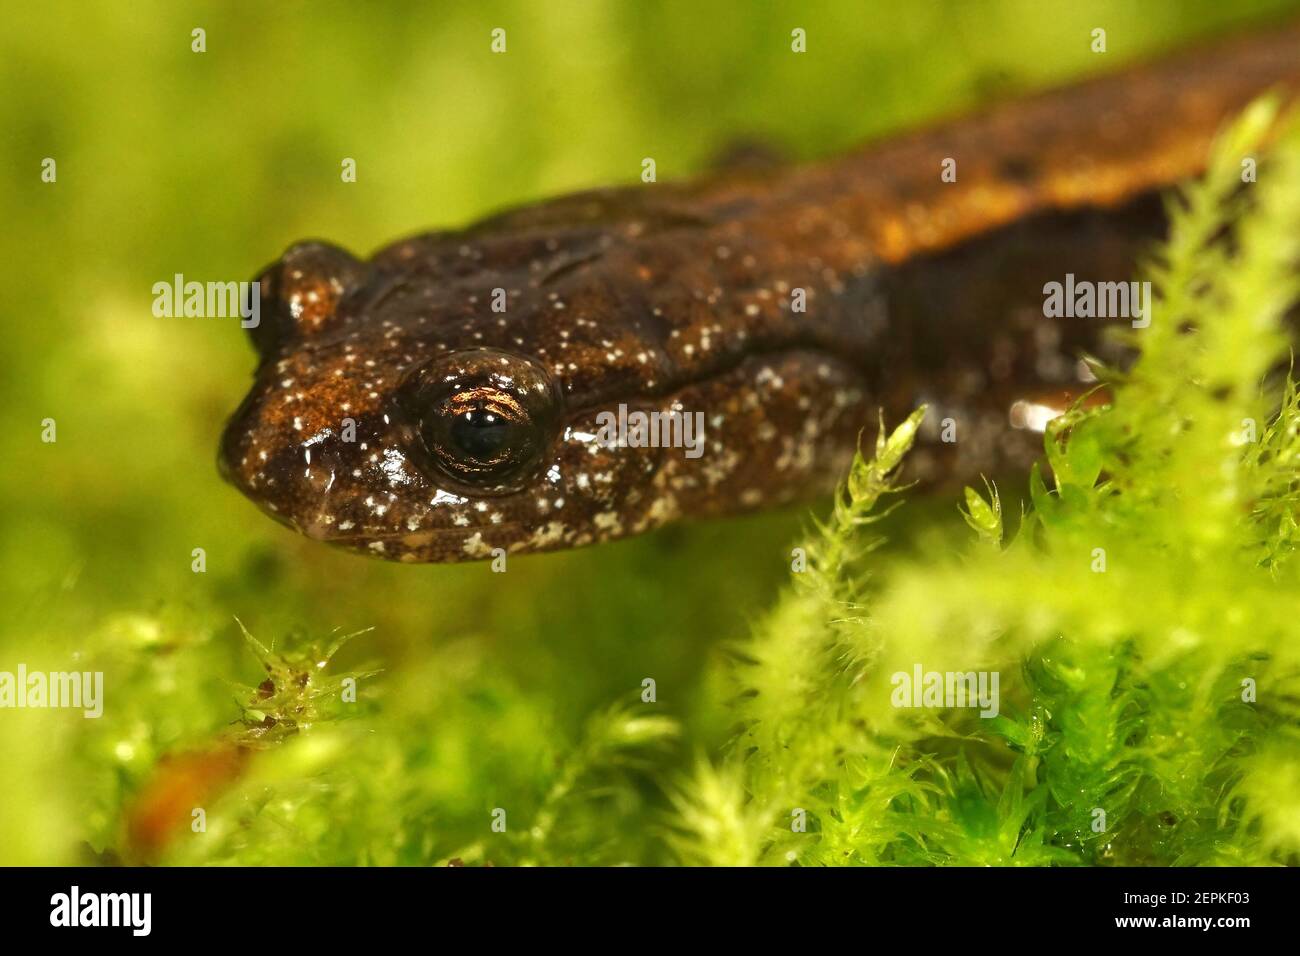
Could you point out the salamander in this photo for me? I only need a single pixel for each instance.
(453, 394)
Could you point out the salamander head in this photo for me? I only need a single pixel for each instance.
(408, 430)
(457, 395)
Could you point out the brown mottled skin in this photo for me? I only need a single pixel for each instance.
(682, 296)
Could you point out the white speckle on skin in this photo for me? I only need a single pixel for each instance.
(475, 546)
(544, 537)
(663, 510)
(609, 522)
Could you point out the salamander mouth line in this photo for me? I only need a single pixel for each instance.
(426, 535)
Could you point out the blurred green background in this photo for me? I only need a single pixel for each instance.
(210, 164)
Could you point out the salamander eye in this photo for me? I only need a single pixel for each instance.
(485, 417)
(481, 433)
